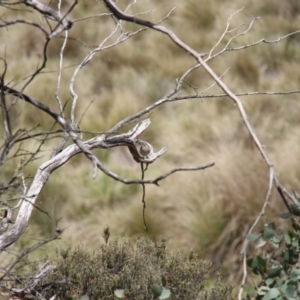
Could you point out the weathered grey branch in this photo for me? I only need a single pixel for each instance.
(50, 12)
(128, 139)
(45, 170)
(43, 272)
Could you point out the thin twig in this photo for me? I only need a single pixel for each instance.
(246, 241)
(24, 253)
(144, 195)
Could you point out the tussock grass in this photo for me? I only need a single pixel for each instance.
(210, 210)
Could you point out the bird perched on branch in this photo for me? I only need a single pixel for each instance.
(144, 148)
(139, 150)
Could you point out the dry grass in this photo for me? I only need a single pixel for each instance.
(211, 210)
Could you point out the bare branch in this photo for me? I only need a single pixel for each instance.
(224, 33)
(59, 74)
(6, 24)
(233, 38)
(263, 41)
(5, 115)
(197, 56)
(50, 12)
(182, 169)
(200, 96)
(80, 66)
(246, 241)
(92, 17)
(122, 38)
(44, 172)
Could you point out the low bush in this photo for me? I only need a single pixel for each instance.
(278, 266)
(135, 268)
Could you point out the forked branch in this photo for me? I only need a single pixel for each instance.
(128, 139)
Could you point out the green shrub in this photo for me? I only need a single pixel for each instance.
(279, 267)
(135, 268)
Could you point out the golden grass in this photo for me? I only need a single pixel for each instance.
(209, 210)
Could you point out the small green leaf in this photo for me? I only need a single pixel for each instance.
(295, 242)
(274, 272)
(269, 281)
(268, 233)
(282, 280)
(274, 293)
(84, 297)
(166, 293)
(287, 239)
(295, 274)
(281, 231)
(287, 255)
(290, 289)
(163, 281)
(253, 237)
(290, 256)
(251, 295)
(295, 226)
(296, 199)
(157, 290)
(119, 294)
(295, 209)
(266, 297)
(261, 243)
(275, 241)
(285, 215)
(257, 264)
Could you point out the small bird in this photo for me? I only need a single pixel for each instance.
(144, 149)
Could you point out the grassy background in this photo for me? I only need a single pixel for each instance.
(209, 210)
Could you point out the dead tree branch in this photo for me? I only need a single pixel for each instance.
(128, 139)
